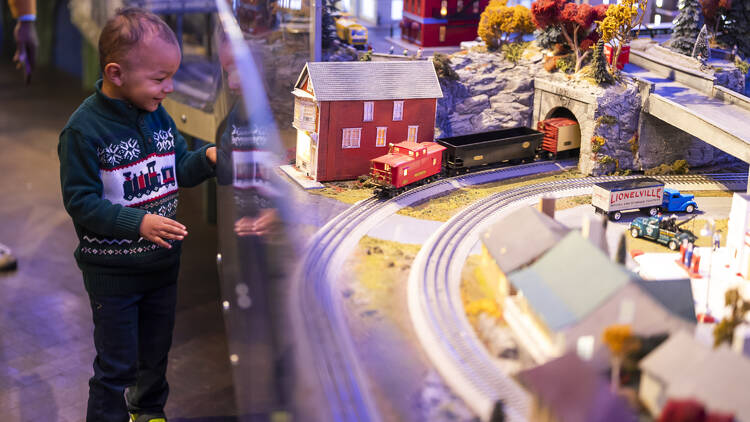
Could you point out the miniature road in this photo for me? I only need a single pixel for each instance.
(435, 301)
(729, 117)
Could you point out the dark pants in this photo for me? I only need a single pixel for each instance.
(132, 335)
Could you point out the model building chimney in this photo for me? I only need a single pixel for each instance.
(547, 206)
(594, 228)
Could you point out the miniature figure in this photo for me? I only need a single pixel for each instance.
(419, 53)
(390, 50)
(717, 239)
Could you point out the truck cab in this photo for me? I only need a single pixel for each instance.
(674, 201)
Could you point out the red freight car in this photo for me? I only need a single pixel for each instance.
(560, 135)
(406, 162)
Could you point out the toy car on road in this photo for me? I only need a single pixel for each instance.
(644, 193)
(665, 231)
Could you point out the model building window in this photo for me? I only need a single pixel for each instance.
(369, 105)
(442, 34)
(406, 171)
(412, 134)
(351, 137)
(308, 114)
(398, 110)
(380, 139)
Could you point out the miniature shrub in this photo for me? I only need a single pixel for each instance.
(513, 51)
(742, 65)
(366, 57)
(606, 120)
(606, 159)
(597, 142)
(678, 167)
(566, 64)
(443, 67)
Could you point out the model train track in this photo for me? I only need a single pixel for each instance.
(435, 301)
(333, 356)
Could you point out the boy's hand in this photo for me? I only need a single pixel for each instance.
(258, 226)
(211, 155)
(157, 228)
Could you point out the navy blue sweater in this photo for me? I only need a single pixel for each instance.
(118, 163)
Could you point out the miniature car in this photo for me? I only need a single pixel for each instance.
(665, 231)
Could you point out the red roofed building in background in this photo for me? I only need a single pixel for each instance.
(439, 23)
(347, 113)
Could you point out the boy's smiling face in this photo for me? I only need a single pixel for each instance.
(145, 76)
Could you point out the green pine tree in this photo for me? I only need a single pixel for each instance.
(737, 27)
(686, 27)
(328, 23)
(598, 69)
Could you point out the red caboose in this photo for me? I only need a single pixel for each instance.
(407, 162)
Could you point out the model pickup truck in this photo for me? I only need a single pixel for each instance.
(666, 231)
(644, 193)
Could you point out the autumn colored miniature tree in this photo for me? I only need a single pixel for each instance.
(499, 21)
(686, 27)
(739, 307)
(620, 340)
(616, 27)
(575, 22)
(714, 12)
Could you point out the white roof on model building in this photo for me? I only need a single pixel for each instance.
(373, 80)
(715, 377)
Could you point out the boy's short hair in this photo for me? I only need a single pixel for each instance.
(128, 27)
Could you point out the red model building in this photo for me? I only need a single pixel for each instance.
(347, 113)
(438, 23)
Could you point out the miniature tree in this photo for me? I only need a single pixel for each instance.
(714, 12)
(617, 26)
(598, 69)
(575, 22)
(737, 26)
(701, 48)
(328, 23)
(620, 340)
(686, 27)
(724, 330)
(547, 38)
(499, 21)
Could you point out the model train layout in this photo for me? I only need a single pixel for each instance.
(408, 164)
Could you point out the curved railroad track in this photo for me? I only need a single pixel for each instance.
(332, 351)
(435, 300)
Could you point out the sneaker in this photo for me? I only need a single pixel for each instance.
(7, 261)
(147, 418)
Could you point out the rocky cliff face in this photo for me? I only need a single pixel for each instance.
(491, 93)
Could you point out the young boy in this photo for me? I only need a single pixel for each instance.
(121, 162)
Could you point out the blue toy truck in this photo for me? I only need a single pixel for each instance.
(644, 193)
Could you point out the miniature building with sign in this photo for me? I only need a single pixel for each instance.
(684, 367)
(347, 113)
(566, 299)
(438, 23)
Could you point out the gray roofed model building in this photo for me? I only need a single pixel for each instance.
(571, 280)
(572, 390)
(510, 243)
(373, 80)
(684, 367)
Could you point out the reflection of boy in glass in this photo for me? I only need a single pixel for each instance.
(247, 160)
